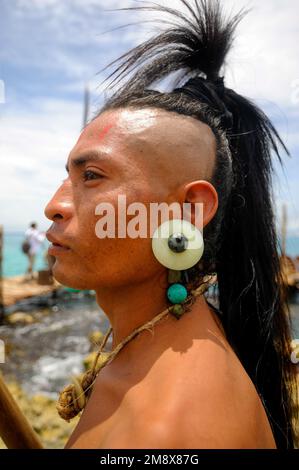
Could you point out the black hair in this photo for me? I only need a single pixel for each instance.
(241, 242)
(33, 225)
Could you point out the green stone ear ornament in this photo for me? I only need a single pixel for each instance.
(178, 245)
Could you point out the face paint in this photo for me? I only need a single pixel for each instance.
(104, 131)
(89, 134)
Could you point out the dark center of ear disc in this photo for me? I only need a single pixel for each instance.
(177, 242)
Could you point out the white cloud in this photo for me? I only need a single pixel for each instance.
(34, 148)
(262, 64)
(67, 37)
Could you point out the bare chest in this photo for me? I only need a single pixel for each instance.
(115, 407)
(126, 404)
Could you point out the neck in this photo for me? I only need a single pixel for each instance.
(130, 306)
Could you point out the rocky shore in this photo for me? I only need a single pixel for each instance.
(41, 412)
(43, 417)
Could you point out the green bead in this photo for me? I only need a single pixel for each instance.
(177, 293)
(174, 276)
(177, 310)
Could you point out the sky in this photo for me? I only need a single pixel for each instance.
(50, 50)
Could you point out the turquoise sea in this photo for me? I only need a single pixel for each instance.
(15, 262)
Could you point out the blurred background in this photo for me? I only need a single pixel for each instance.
(50, 57)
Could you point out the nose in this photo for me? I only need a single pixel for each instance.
(61, 207)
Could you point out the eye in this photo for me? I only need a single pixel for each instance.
(89, 175)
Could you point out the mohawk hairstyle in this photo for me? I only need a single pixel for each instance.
(241, 242)
(198, 44)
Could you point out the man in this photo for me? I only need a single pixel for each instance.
(35, 239)
(206, 380)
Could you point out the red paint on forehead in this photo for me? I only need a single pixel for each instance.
(105, 130)
(92, 132)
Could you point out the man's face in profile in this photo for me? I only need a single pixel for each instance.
(136, 153)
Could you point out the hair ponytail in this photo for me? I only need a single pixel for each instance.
(251, 290)
(241, 241)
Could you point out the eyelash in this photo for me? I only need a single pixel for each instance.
(88, 173)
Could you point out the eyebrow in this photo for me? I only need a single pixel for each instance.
(90, 156)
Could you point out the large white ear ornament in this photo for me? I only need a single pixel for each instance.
(177, 244)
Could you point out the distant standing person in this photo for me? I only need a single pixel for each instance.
(34, 238)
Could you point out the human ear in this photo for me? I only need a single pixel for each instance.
(201, 192)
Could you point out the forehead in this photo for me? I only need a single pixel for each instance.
(154, 133)
(118, 125)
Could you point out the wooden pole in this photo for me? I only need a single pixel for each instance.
(86, 106)
(15, 430)
(2, 309)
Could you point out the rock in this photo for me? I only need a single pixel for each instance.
(41, 413)
(95, 339)
(8, 348)
(20, 318)
(88, 361)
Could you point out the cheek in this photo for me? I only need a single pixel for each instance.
(119, 260)
(85, 218)
(112, 259)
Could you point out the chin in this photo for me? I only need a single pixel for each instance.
(69, 278)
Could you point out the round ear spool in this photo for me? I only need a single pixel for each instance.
(177, 244)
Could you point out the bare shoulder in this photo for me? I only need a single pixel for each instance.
(201, 399)
(219, 407)
(187, 392)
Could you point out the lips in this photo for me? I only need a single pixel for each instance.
(57, 247)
